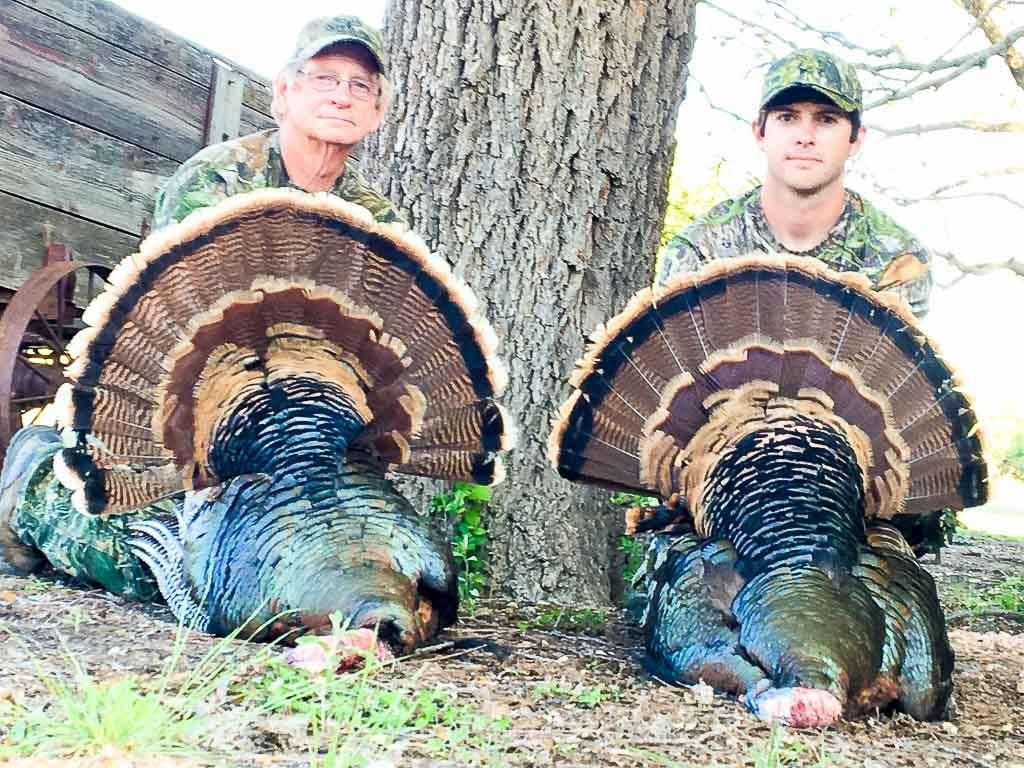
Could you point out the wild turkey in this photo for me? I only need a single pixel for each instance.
(271, 358)
(783, 413)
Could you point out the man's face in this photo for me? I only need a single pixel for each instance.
(336, 115)
(806, 145)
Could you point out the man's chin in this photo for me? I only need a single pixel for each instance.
(344, 136)
(807, 186)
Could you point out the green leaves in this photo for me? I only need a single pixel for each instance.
(464, 507)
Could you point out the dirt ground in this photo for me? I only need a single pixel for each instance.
(637, 722)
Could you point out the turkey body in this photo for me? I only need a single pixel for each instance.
(786, 415)
(303, 546)
(785, 602)
(306, 527)
(268, 361)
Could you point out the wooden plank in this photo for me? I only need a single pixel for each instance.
(224, 112)
(151, 42)
(23, 224)
(66, 71)
(252, 121)
(75, 169)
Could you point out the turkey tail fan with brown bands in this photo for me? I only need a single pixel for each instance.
(687, 370)
(281, 289)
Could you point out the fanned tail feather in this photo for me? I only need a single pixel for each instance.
(666, 385)
(217, 313)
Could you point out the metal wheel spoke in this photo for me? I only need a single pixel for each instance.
(35, 371)
(58, 342)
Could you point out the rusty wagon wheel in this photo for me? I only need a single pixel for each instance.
(35, 326)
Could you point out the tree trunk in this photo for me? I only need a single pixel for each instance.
(530, 144)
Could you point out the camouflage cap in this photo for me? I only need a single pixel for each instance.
(822, 72)
(321, 33)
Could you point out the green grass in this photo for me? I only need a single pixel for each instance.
(582, 695)
(971, 533)
(784, 750)
(586, 620)
(781, 749)
(343, 719)
(1006, 595)
(86, 716)
(356, 715)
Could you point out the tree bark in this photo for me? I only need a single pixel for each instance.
(530, 144)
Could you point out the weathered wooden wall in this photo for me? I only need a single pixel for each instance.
(97, 108)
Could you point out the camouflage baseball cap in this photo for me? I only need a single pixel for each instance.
(822, 72)
(321, 33)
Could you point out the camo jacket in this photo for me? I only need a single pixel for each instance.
(864, 239)
(90, 548)
(245, 164)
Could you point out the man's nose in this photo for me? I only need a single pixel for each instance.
(341, 95)
(805, 132)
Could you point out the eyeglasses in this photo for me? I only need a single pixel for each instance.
(325, 82)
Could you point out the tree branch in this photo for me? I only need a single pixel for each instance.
(749, 23)
(1012, 170)
(974, 27)
(970, 125)
(981, 13)
(1013, 264)
(964, 63)
(714, 106)
(938, 198)
(827, 34)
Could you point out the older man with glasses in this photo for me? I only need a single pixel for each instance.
(331, 94)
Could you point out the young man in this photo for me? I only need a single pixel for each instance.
(331, 94)
(808, 126)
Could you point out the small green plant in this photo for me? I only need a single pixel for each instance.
(1011, 462)
(623, 499)
(464, 506)
(633, 549)
(352, 716)
(783, 750)
(73, 618)
(586, 620)
(1006, 595)
(87, 716)
(581, 695)
(1009, 593)
(949, 524)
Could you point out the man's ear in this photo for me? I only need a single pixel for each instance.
(858, 142)
(279, 98)
(755, 128)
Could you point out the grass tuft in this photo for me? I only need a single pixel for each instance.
(354, 717)
(1006, 595)
(784, 750)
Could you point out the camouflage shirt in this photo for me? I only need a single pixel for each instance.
(864, 239)
(245, 164)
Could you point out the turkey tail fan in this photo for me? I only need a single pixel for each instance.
(268, 298)
(687, 370)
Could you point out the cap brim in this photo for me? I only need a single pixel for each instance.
(838, 99)
(317, 46)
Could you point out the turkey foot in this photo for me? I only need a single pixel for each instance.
(348, 649)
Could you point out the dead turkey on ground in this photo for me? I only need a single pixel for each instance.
(268, 360)
(783, 413)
